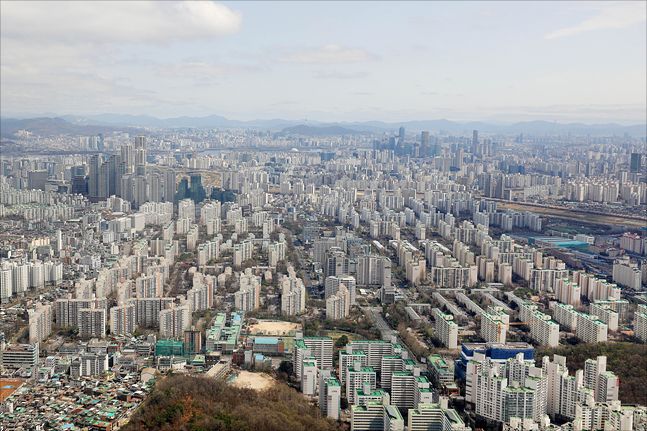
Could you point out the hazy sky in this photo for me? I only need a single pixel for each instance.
(498, 61)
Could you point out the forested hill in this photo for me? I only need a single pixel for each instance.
(184, 403)
(627, 360)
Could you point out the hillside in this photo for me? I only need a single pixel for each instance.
(627, 360)
(195, 403)
(55, 126)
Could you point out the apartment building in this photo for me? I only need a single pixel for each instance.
(446, 330)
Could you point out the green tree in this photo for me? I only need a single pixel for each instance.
(341, 341)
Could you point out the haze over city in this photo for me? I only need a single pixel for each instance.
(340, 61)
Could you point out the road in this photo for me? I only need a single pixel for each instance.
(375, 314)
(579, 214)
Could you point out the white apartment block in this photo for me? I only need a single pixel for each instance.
(208, 251)
(373, 271)
(243, 252)
(542, 329)
(627, 274)
(293, 294)
(40, 323)
(320, 348)
(374, 350)
(594, 288)
(174, 321)
(329, 395)
(590, 329)
(494, 326)
(640, 323)
(276, 252)
(248, 297)
(309, 376)
(92, 322)
(359, 377)
(369, 417)
(186, 210)
(333, 282)
(428, 416)
(147, 310)
(390, 364)
(566, 315)
(446, 330)
(605, 313)
(67, 310)
(349, 358)
(604, 384)
(408, 389)
(123, 319)
(338, 305)
(568, 292)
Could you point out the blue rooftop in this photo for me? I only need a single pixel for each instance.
(266, 340)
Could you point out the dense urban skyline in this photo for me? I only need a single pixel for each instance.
(324, 216)
(351, 61)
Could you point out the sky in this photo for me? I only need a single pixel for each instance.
(327, 61)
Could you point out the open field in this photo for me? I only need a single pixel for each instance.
(579, 215)
(274, 327)
(336, 334)
(256, 381)
(8, 387)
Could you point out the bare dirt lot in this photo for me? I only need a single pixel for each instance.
(274, 327)
(256, 381)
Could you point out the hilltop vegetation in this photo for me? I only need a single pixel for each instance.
(184, 403)
(627, 360)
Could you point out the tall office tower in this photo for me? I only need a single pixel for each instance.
(337, 263)
(169, 185)
(128, 158)
(196, 191)
(37, 179)
(92, 322)
(425, 149)
(635, 164)
(93, 176)
(140, 155)
(401, 134)
(155, 186)
(114, 175)
(475, 141)
(104, 181)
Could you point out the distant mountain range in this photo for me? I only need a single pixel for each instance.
(46, 126)
(106, 123)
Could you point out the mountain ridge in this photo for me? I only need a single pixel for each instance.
(70, 124)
